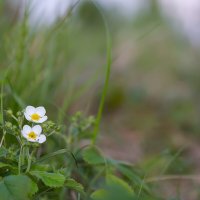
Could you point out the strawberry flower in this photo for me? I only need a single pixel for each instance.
(33, 134)
(36, 115)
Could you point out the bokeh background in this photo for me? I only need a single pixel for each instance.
(53, 53)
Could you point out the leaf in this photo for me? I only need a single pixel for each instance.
(17, 187)
(72, 184)
(129, 173)
(3, 152)
(93, 156)
(49, 179)
(8, 166)
(2, 165)
(116, 189)
(41, 167)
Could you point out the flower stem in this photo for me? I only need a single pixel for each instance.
(20, 160)
(29, 157)
(2, 139)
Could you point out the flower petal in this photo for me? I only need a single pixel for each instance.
(27, 116)
(43, 119)
(42, 138)
(37, 129)
(30, 110)
(26, 129)
(40, 111)
(32, 140)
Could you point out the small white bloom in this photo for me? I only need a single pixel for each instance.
(36, 115)
(33, 134)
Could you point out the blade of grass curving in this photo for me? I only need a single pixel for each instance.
(61, 22)
(190, 177)
(15, 96)
(177, 154)
(2, 115)
(56, 153)
(108, 69)
(51, 155)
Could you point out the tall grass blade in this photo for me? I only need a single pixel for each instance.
(108, 69)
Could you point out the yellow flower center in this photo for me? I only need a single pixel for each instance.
(35, 117)
(32, 135)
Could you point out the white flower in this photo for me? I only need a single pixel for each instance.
(33, 134)
(36, 115)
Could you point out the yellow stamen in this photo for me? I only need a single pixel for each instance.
(35, 117)
(32, 135)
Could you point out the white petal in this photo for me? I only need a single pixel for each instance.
(43, 119)
(24, 134)
(41, 111)
(26, 129)
(37, 129)
(32, 140)
(27, 116)
(42, 138)
(30, 110)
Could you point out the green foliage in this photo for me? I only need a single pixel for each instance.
(49, 179)
(3, 152)
(115, 189)
(17, 187)
(74, 185)
(93, 156)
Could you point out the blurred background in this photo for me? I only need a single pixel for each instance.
(53, 53)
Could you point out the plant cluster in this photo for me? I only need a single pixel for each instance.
(29, 171)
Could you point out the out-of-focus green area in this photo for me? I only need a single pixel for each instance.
(152, 111)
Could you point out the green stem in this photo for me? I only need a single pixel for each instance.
(108, 69)
(19, 140)
(2, 115)
(2, 139)
(29, 157)
(20, 159)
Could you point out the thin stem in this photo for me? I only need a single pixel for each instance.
(2, 139)
(98, 175)
(79, 196)
(29, 157)
(52, 132)
(108, 69)
(2, 115)
(173, 177)
(20, 159)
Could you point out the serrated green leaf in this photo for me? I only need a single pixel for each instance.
(93, 156)
(17, 187)
(72, 184)
(115, 188)
(49, 179)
